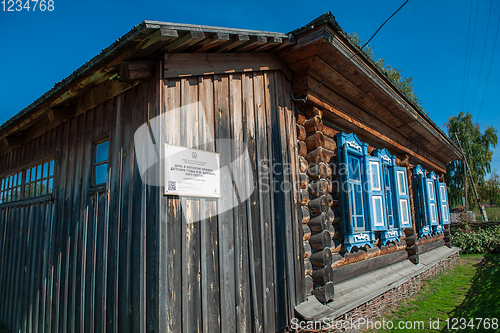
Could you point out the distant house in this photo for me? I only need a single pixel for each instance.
(202, 179)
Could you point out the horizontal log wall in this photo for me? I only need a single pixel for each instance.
(318, 164)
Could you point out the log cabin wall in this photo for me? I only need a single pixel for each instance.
(318, 165)
(122, 257)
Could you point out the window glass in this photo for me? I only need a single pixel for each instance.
(45, 170)
(401, 183)
(37, 180)
(404, 211)
(378, 211)
(430, 188)
(10, 189)
(101, 152)
(51, 168)
(100, 173)
(375, 176)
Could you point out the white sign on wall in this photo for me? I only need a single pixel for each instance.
(191, 172)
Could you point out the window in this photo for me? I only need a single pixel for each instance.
(10, 189)
(29, 183)
(39, 180)
(443, 202)
(352, 166)
(100, 171)
(427, 205)
(402, 196)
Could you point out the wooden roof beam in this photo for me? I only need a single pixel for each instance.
(234, 42)
(370, 131)
(61, 114)
(13, 141)
(211, 42)
(271, 42)
(136, 70)
(253, 43)
(184, 42)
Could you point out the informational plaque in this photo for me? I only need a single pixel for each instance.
(191, 172)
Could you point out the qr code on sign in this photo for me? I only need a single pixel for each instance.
(172, 185)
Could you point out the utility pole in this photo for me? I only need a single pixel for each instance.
(467, 171)
(466, 186)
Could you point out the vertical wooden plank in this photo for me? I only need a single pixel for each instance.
(52, 315)
(33, 274)
(68, 237)
(262, 113)
(102, 241)
(5, 259)
(25, 264)
(88, 237)
(90, 272)
(287, 196)
(138, 241)
(226, 231)
(253, 221)
(295, 232)
(75, 254)
(115, 183)
(40, 255)
(240, 213)
(171, 226)
(18, 230)
(45, 299)
(152, 220)
(60, 221)
(208, 217)
(124, 272)
(191, 224)
(280, 205)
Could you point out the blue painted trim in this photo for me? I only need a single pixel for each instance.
(349, 145)
(421, 200)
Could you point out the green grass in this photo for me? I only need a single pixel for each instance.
(492, 212)
(470, 290)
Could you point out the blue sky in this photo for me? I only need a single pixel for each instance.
(426, 39)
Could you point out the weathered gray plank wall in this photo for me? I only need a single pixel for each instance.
(123, 258)
(226, 264)
(77, 262)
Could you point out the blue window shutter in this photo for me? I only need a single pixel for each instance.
(351, 170)
(433, 202)
(375, 194)
(402, 195)
(393, 233)
(442, 199)
(421, 200)
(389, 198)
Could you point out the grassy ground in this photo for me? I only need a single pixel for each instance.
(469, 290)
(492, 212)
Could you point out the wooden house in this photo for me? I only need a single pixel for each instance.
(92, 238)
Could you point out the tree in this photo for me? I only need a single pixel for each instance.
(490, 190)
(477, 149)
(394, 74)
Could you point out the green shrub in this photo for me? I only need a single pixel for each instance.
(478, 241)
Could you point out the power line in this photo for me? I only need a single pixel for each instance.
(351, 57)
(471, 51)
(466, 57)
(489, 70)
(482, 58)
